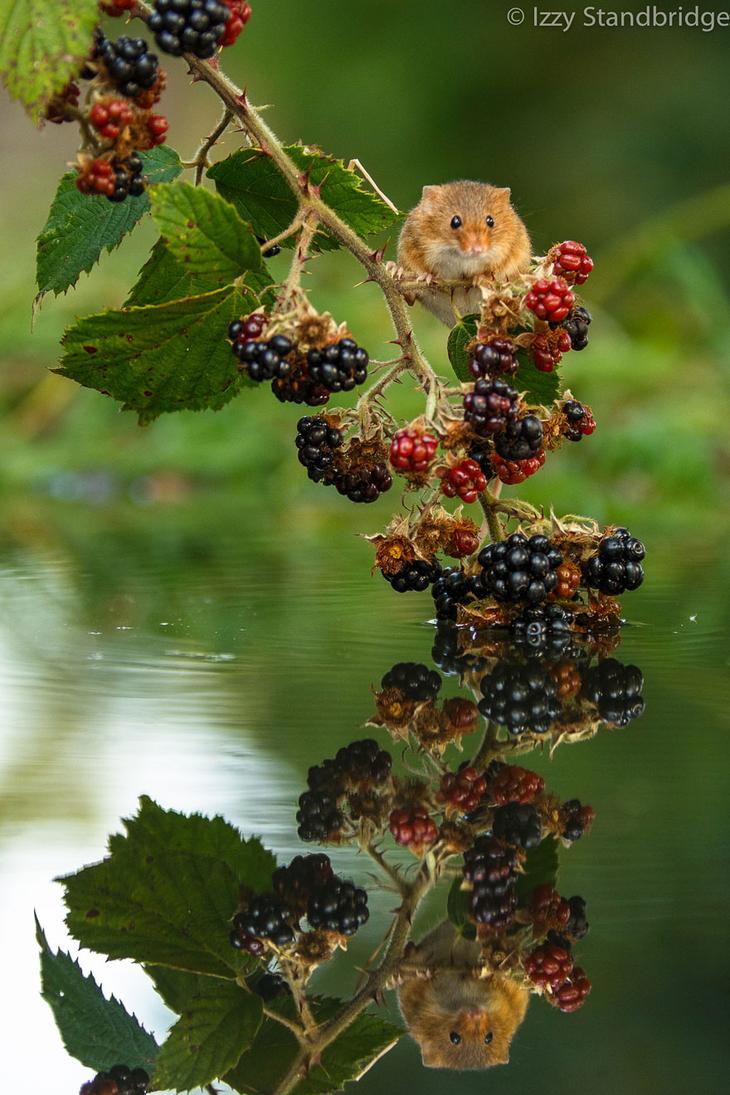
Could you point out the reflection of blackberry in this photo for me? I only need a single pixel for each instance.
(413, 577)
(339, 367)
(543, 625)
(270, 986)
(415, 681)
(491, 867)
(576, 324)
(189, 26)
(616, 690)
(577, 926)
(490, 406)
(119, 1080)
(296, 882)
(131, 67)
(521, 439)
(616, 567)
(338, 907)
(365, 483)
(517, 823)
(445, 651)
(317, 442)
(263, 360)
(520, 697)
(518, 569)
(265, 918)
(451, 589)
(319, 817)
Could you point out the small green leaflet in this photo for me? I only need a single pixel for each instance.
(42, 45)
(457, 910)
(251, 181)
(538, 389)
(167, 891)
(97, 1031)
(459, 338)
(159, 358)
(541, 865)
(80, 227)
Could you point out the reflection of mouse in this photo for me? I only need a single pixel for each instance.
(462, 230)
(459, 1020)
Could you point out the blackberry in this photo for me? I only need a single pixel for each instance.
(571, 995)
(413, 577)
(270, 986)
(518, 569)
(319, 818)
(579, 421)
(616, 567)
(262, 359)
(549, 965)
(365, 483)
(131, 67)
(463, 790)
(189, 26)
(265, 918)
(577, 925)
(517, 823)
(483, 458)
(128, 180)
(317, 443)
(493, 357)
(415, 681)
(339, 367)
(270, 252)
(521, 439)
(575, 819)
(451, 589)
(490, 406)
(298, 387)
(520, 697)
(616, 690)
(338, 906)
(363, 762)
(511, 783)
(412, 827)
(544, 625)
(295, 883)
(491, 867)
(576, 324)
(119, 1080)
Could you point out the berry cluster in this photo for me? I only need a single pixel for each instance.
(110, 116)
(616, 690)
(414, 577)
(338, 906)
(189, 26)
(617, 565)
(575, 819)
(465, 480)
(115, 8)
(579, 420)
(339, 366)
(317, 442)
(521, 439)
(412, 451)
(492, 358)
(116, 179)
(550, 300)
(463, 790)
(490, 406)
(512, 472)
(548, 910)
(517, 823)
(119, 1080)
(510, 783)
(518, 570)
(412, 827)
(295, 883)
(413, 680)
(491, 867)
(270, 986)
(571, 262)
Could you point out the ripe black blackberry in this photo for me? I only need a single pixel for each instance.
(131, 67)
(270, 986)
(189, 26)
(317, 443)
(298, 387)
(119, 1080)
(319, 818)
(616, 690)
(490, 406)
(483, 458)
(363, 761)
(262, 359)
(577, 926)
(451, 589)
(413, 577)
(295, 883)
(574, 413)
(576, 324)
(266, 917)
(365, 483)
(128, 180)
(521, 697)
(521, 438)
(616, 567)
(545, 625)
(338, 906)
(575, 818)
(415, 681)
(493, 357)
(517, 823)
(491, 867)
(519, 570)
(339, 367)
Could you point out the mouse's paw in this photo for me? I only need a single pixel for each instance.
(397, 272)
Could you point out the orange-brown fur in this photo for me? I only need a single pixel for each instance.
(455, 1000)
(430, 247)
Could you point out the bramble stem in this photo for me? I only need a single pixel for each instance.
(392, 872)
(487, 502)
(200, 160)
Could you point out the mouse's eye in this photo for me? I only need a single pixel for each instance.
(490, 222)
(455, 1038)
(456, 222)
(488, 1037)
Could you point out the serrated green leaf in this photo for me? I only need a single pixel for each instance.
(459, 338)
(95, 1030)
(80, 227)
(176, 987)
(457, 910)
(163, 279)
(159, 358)
(541, 866)
(539, 389)
(167, 890)
(42, 46)
(218, 1024)
(252, 182)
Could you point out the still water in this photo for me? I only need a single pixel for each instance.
(190, 659)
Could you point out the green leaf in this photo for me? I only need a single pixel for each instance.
(163, 279)
(42, 46)
(459, 338)
(457, 910)
(96, 1031)
(541, 865)
(167, 890)
(252, 182)
(539, 389)
(218, 1024)
(166, 357)
(81, 226)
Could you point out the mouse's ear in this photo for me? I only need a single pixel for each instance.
(504, 192)
(428, 194)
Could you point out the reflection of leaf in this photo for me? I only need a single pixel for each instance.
(167, 891)
(96, 1031)
(459, 337)
(538, 388)
(457, 909)
(541, 865)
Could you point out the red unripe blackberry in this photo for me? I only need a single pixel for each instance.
(415, 681)
(240, 14)
(96, 177)
(464, 539)
(115, 8)
(412, 450)
(465, 479)
(365, 483)
(575, 819)
(572, 262)
(546, 351)
(413, 577)
(548, 910)
(576, 327)
(616, 567)
(340, 366)
(568, 581)
(497, 355)
(110, 116)
(519, 570)
(248, 328)
(463, 790)
(517, 823)
(338, 906)
(412, 827)
(512, 472)
(157, 127)
(189, 26)
(549, 965)
(490, 406)
(550, 300)
(510, 783)
(572, 994)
